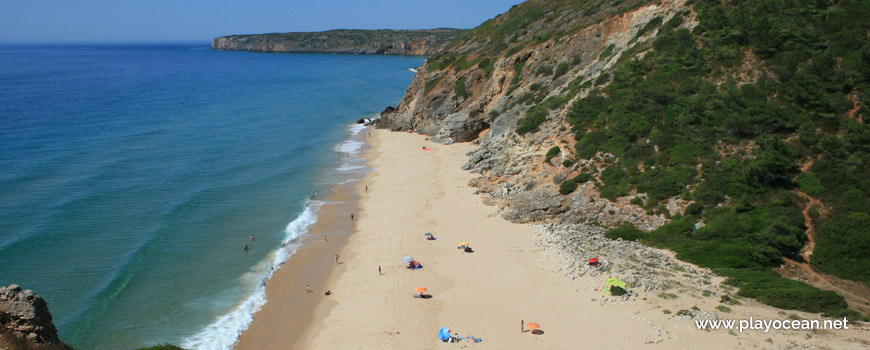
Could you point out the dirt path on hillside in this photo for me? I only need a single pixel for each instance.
(857, 295)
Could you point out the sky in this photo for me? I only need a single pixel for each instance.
(202, 20)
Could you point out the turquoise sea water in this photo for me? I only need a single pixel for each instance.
(132, 175)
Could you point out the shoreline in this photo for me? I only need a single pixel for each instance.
(511, 276)
(311, 264)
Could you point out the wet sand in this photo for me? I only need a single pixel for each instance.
(484, 294)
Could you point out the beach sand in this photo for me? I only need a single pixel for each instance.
(484, 294)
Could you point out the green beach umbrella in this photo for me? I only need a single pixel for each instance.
(428, 234)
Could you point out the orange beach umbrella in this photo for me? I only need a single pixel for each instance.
(533, 325)
(421, 289)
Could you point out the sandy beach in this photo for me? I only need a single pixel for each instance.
(484, 294)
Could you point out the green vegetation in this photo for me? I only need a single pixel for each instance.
(651, 25)
(561, 69)
(664, 295)
(723, 308)
(729, 300)
(544, 70)
(686, 121)
(486, 65)
(667, 113)
(553, 152)
(607, 52)
(625, 231)
(532, 120)
(459, 90)
(431, 84)
(567, 187)
(570, 185)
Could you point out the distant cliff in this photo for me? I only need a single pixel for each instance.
(348, 41)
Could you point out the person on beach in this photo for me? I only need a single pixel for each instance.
(308, 288)
(328, 292)
(367, 188)
(379, 270)
(522, 326)
(351, 216)
(336, 259)
(325, 239)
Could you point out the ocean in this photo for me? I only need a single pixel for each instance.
(133, 175)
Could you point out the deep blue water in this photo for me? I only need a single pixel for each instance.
(132, 175)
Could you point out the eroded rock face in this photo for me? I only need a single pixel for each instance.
(25, 322)
(472, 92)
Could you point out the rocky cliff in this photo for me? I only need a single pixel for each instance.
(25, 322)
(697, 126)
(477, 85)
(383, 42)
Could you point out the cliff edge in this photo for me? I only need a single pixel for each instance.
(25, 322)
(422, 42)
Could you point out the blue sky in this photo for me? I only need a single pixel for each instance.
(202, 20)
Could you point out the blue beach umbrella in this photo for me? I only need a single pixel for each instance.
(407, 259)
(444, 333)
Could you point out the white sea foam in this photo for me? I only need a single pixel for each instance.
(350, 167)
(223, 333)
(352, 145)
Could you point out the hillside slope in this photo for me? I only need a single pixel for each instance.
(348, 41)
(706, 127)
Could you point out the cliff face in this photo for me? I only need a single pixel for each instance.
(25, 322)
(488, 86)
(732, 132)
(382, 42)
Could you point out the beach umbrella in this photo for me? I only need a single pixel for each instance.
(408, 259)
(533, 326)
(615, 282)
(421, 289)
(444, 333)
(463, 244)
(427, 234)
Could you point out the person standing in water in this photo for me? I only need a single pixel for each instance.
(252, 238)
(336, 259)
(246, 247)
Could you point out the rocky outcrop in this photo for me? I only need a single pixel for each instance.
(478, 89)
(644, 268)
(25, 322)
(381, 42)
